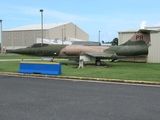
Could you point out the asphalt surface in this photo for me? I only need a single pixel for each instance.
(25, 98)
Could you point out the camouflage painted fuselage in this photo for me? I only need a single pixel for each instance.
(136, 46)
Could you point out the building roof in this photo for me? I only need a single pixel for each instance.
(153, 27)
(37, 26)
(156, 27)
(128, 31)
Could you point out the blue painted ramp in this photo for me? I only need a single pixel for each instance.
(47, 68)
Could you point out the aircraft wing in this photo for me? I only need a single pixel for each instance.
(99, 54)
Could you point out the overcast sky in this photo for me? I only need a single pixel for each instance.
(92, 16)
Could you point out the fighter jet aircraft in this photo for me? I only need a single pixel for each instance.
(137, 45)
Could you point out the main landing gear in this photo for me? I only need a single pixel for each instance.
(98, 63)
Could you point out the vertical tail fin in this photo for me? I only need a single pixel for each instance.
(140, 37)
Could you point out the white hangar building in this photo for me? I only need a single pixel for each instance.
(154, 49)
(26, 35)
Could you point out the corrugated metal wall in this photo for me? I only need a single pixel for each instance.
(14, 39)
(69, 31)
(154, 49)
(123, 37)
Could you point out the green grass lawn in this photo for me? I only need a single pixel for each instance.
(117, 70)
(120, 70)
(10, 56)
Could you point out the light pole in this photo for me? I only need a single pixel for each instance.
(99, 37)
(41, 10)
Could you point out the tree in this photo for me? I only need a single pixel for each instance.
(115, 42)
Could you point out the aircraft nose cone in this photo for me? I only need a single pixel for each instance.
(18, 51)
(9, 51)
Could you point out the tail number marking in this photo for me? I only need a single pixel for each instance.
(139, 37)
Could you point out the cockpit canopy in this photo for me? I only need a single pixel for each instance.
(38, 45)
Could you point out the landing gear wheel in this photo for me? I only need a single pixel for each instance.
(98, 62)
(51, 60)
